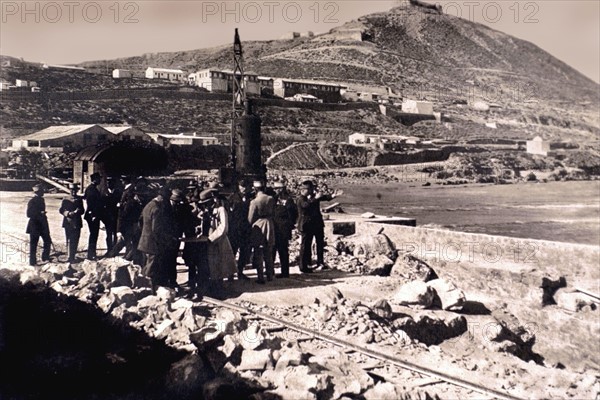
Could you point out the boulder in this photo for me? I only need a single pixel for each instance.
(410, 268)
(228, 321)
(329, 295)
(431, 330)
(186, 377)
(448, 296)
(289, 355)
(253, 337)
(368, 246)
(256, 360)
(303, 381)
(57, 269)
(382, 309)
(414, 294)
(382, 391)
(163, 329)
(30, 277)
(379, 265)
(123, 295)
(182, 303)
(119, 276)
(105, 303)
(165, 293)
(150, 302)
(206, 337)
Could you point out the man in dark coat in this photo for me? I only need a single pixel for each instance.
(157, 238)
(310, 224)
(239, 228)
(262, 237)
(93, 214)
(71, 209)
(38, 225)
(284, 218)
(110, 200)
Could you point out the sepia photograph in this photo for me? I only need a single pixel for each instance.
(310, 199)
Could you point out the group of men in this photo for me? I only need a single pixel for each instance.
(256, 221)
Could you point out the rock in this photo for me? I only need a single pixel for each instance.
(368, 246)
(382, 391)
(182, 303)
(253, 337)
(329, 295)
(58, 270)
(256, 360)
(572, 301)
(142, 292)
(142, 281)
(105, 303)
(379, 265)
(415, 294)
(90, 267)
(188, 320)
(119, 276)
(123, 295)
(187, 377)
(303, 381)
(431, 330)
(289, 355)
(163, 329)
(228, 321)
(448, 296)
(30, 277)
(124, 314)
(229, 346)
(206, 337)
(150, 301)
(165, 293)
(57, 287)
(410, 268)
(382, 309)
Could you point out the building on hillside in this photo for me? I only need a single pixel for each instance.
(265, 86)
(122, 73)
(164, 73)
(538, 146)
(4, 85)
(380, 140)
(417, 107)
(126, 132)
(181, 139)
(63, 138)
(305, 98)
(21, 83)
(221, 81)
(328, 92)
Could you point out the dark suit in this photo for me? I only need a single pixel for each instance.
(93, 214)
(110, 199)
(239, 228)
(158, 240)
(311, 225)
(262, 237)
(37, 227)
(71, 209)
(130, 210)
(285, 216)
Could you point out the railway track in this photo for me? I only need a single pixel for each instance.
(398, 362)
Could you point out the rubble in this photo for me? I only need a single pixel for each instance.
(573, 301)
(431, 330)
(409, 268)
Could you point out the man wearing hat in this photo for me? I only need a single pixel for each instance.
(158, 239)
(37, 226)
(111, 197)
(262, 237)
(285, 215)
(239, 228)
(71, 209)
(310, 223)
(93, 214)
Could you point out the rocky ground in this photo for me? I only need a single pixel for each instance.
(374, 296)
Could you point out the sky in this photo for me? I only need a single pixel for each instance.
(61, 32)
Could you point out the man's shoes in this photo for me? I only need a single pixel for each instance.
(282, 275)
(322, 267)
(306, 271)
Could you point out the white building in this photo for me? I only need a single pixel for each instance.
(417, 107)
(21, 83)
(164, 73)
(221, 81)
(372, 139)
(122, 73)
(4, 85)
(538, 146)
(164, 139)
(306, 98)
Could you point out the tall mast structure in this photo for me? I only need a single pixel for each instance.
(239, 93)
